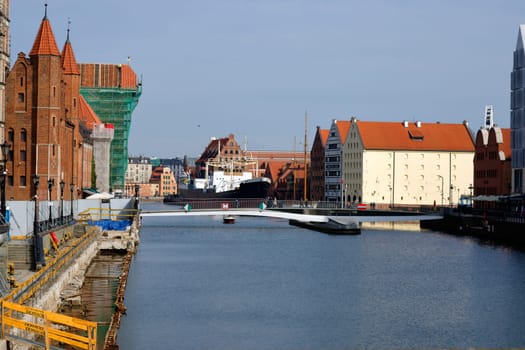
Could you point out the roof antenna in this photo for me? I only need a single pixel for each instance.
(45, 11)
(68, 25)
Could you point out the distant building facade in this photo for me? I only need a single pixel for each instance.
(316, 173)
(163, 177)
(517, 114)
(333, 161)
(492, 164)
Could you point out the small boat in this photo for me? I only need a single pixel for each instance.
(228, 219)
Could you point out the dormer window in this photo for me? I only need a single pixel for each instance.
(416, 135)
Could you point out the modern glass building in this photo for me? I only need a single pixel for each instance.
(517, 113)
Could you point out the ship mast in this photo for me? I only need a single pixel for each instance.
(305, 197)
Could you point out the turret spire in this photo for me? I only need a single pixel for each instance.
(68, 25)
(45, 10)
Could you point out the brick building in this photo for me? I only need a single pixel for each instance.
(492, 163)
(42, 119)
(316, 172)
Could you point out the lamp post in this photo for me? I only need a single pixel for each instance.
(36, 238)
(5, 152)
(71, 188)
(50, 184)
(470, 187)
(137, 188)
(62, 184)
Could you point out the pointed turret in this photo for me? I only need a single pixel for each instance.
(45, 43)
(68, 61)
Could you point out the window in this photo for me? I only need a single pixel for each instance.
(23, 135)
(11, 135)
(21, 97)
(10, 180)
(22, 180)
(22, 81)
(23, 155)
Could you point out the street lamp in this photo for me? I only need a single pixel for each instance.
(470, 187)
(71, 188)
(50, 184)
(137, 188)
(5, 152)
(36, 238)
(62, 184)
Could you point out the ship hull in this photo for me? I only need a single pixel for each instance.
(255, 188)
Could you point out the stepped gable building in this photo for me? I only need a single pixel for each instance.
(492, 164)
(334, 181)
(517, 114)
(221, 151)
(316, 172)
(42, 119)
(407, 164)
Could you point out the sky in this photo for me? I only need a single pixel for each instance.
(255, 68)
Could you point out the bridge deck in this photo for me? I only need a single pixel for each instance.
(345, 220)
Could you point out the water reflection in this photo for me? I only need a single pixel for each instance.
(262, 284)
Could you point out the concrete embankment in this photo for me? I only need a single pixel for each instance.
(60, 283)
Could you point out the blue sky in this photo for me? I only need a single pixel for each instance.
(253, 67)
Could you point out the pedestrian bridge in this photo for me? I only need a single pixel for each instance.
(274, 213)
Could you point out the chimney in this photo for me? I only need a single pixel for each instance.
(418, 123)
(405, 123)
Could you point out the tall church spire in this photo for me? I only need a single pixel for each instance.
(45, 43)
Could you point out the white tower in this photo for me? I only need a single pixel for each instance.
(102, 136)
(489, 117)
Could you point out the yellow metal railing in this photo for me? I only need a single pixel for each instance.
(106, 213)
(46, 324)
(29, 287)
(48, 321)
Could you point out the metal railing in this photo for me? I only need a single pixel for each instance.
(46, 324)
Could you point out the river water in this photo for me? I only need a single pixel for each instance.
(262, 284)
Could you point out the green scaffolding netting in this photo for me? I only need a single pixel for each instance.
(115, 106)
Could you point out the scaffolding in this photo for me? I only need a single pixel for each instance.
(115, 106)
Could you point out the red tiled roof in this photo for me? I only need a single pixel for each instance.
(274, 168)
(68, 61)
(323, 133)
(211, 151)
(45, 43)
(87, 115)
(427, 137)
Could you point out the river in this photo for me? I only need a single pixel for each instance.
(262, 284)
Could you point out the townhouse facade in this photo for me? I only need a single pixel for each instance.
(333, 161)
(316, 173)
(492, 164)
